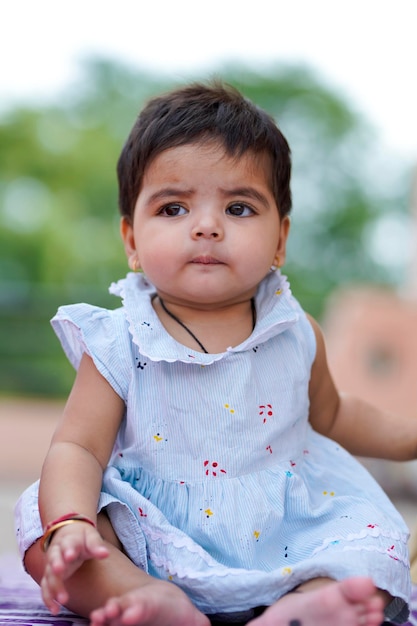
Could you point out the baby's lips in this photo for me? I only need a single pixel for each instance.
(206, 260)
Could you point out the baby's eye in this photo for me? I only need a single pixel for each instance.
(172, 210)
(240, 209)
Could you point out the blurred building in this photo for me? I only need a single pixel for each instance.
(371, 337)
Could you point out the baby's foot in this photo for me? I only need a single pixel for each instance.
(160, 604)
(351, 602)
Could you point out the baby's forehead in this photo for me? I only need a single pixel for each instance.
(191, 156)
(212, 146)
(204, 169)
(202, 145)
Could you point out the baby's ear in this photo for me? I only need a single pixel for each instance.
(282, 241)
(126, 233)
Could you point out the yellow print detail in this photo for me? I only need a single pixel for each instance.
(286, 571)
(329, 493)
(227, 406)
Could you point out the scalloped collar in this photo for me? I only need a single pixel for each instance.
(276, 310)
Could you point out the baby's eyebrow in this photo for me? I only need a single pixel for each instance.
(169, 192)
(174, 192)
(246, 192)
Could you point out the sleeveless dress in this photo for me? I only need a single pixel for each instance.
(217, 481)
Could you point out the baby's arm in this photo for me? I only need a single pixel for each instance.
(358, 426)
(72, 476)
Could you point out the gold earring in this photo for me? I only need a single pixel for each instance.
(276, 264)
(134, 264)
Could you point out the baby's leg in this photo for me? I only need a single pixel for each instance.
(351, 602)
(100, 583)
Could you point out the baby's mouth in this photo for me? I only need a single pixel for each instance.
(206, 260)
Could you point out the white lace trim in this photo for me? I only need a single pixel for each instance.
(369, 532)
(217, 569)
(147, 332)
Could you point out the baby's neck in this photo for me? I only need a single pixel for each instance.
(207, 330)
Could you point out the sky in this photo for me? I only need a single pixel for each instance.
(365, 49)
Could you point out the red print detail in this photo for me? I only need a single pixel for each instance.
(266, 409)
(213, 469)
(390, 555)
(141, 513)
(269, 449)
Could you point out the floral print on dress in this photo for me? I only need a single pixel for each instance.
(212, 468)
(265, 411)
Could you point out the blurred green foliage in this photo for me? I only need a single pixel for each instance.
(59, 240)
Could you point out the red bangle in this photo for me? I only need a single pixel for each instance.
(69, 518)
(63, 518)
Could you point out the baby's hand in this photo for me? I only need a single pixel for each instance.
(70, 547)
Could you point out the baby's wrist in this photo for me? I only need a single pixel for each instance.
(65, 520)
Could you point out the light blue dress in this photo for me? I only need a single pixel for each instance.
(217, 481)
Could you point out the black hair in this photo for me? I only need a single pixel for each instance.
(193, 114)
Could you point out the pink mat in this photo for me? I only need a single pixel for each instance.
(21, 603)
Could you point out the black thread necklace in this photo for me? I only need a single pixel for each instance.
(190, 332)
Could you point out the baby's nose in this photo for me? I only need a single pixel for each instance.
(208, 227)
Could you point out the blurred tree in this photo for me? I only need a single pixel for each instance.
(342, 185)
(59, 239)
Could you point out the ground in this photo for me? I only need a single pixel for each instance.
(26, 427)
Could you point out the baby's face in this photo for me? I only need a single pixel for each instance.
(206, 227)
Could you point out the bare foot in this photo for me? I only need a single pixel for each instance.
(160, 604)
(351, 602)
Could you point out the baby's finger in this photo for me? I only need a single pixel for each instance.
(95, 546)
(53, 591)
(56, 558)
